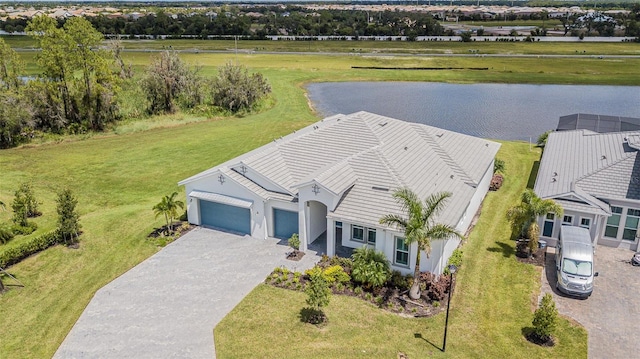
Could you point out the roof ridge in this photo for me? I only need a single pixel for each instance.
(389, 166)
(428, 138)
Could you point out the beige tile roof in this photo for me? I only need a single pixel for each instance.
(369, 156)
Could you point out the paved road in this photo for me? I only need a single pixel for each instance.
(612, 314)
(168, 305)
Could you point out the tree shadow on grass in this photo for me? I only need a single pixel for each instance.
(313, 316)
(534, 173)
(506, 249)
(419, 336)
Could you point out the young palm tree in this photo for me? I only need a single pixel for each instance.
(524, 216)
(419, 226)
(169, 208)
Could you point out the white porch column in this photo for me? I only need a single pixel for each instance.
(331, 241)
(302, 225)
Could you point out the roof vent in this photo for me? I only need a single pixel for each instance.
(486, 145)
(406, 148)
(553, 180)
(440, 135)
(603, 157)
(382, 124)
(451, 176)
(386, 189)
(555, 174)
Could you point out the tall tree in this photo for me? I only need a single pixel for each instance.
(11, 67)
(168, 207)
(524, 216)
(420, 225)
(90, 100)
(68, 217)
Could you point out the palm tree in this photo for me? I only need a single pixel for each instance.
(524, 216)
(169, 208)
(420, 226)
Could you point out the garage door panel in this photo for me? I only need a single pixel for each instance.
(285, 223)
(224, 216)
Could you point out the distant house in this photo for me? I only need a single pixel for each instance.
(598, 123)
(595, 177)
(331, 182)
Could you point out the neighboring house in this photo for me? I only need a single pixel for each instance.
(598, 123)
(332, 181)
(595, 177)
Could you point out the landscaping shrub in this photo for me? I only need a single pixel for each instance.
(545, 319)
(399, 281)
(294, 241)
(496, 182)
(455, 259)
(370, 268)
(318, 296)
(434, 287)
(6, 234)
(15, 254)
(25, 230)
(234, 89)
(333, 274)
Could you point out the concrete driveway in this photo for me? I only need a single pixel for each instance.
(612, 314)
(168, 305)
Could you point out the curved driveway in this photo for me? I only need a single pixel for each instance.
(168, 305)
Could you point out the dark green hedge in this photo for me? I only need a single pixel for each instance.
(16, 254)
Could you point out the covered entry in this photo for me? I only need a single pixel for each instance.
(224, 212)
(285, 223)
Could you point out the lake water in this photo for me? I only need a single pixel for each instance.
(499, 111)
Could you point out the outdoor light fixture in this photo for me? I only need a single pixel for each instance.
(315, 189)
(452, 270)
(221, 179)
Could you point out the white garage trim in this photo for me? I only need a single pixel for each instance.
(220, 198)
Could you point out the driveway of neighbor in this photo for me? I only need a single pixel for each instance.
(612, 314)
(168, 305)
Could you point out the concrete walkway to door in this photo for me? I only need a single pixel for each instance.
(168, 305)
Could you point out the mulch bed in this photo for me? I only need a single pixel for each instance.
(536, 258)
(388, 298)
(178, 228)
(295, 255)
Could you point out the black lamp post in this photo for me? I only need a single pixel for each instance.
(452, 270)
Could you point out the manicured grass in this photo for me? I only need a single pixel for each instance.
(492, 304)
(118, 176)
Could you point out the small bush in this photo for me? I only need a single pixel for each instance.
(370, 267)
(294, 241)
(545, 318)
(318, 293)
(335, 274)
(6, 234)
(358, 291)
(434, 287)
(399, 281)
(25, 230)
(455, 259)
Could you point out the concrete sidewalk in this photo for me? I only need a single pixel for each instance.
(168, 305)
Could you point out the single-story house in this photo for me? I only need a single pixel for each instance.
(332, 181)
(595, 177)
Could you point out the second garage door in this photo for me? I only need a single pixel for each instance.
(226, 217)
(285, 223)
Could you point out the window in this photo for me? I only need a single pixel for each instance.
(613, 223)
(357, 233)
(547, 229)
(338, 224)
(631, 224)
(371, 235)
(585, 223)
(402, 252)
(567, 220)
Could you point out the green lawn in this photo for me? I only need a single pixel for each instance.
(492, 304)
(417, 47)
(118, 176)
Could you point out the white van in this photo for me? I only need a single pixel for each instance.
(574, 262)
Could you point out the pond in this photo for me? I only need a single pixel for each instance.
(498, 111)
